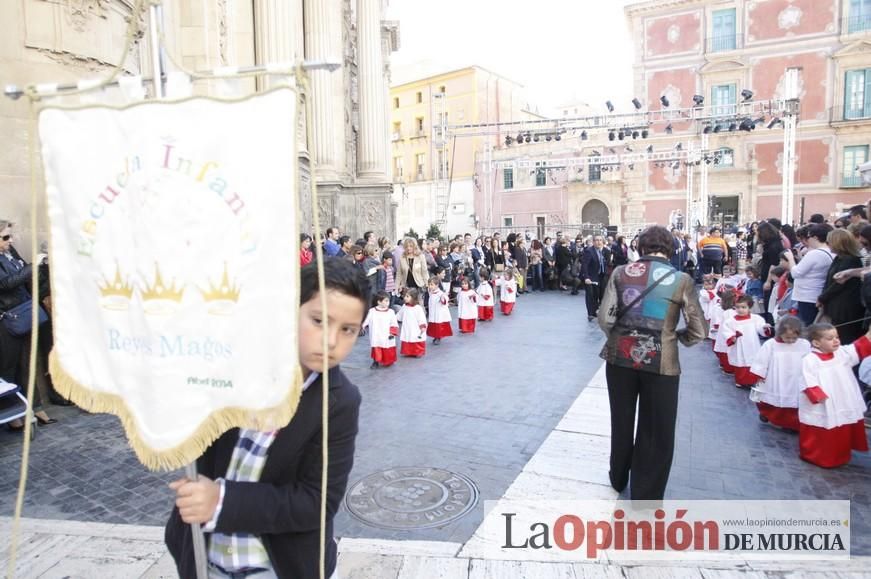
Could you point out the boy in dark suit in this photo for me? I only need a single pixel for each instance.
(259, 493)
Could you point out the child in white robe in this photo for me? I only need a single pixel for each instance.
(467, 307)
(485, 296)
(412, 336)
(706, 296)
(725, 302)
(383, 327)
(777, 367)
(742, 334)
(831, 408)
(439, 325)
(507, 291)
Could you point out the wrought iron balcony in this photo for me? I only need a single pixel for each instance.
(856, 24)
(725, 43)
(852, 180)
(842, 114)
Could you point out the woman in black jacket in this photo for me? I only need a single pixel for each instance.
(768, 237)
(843, 302)
(15, 276)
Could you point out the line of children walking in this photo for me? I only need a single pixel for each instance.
(413, 325)
(805, 385)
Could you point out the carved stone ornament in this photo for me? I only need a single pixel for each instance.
(372, 213)
(789, 17)
(222, 30)
(80, 12)
(75, 61)
(325, 212)
(673, 33)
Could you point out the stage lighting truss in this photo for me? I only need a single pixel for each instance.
(751, 114)
(613, 161)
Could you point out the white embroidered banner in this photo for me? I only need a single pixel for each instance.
(174, 282)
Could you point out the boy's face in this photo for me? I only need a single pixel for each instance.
(742, 309)
(388, 262)
(346, 316)
(384, 303)
(828, 342)
(441, 274)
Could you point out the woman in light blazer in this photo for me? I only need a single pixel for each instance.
(411, 271)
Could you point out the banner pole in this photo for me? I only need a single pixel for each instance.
(197, 531)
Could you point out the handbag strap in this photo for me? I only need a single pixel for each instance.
(622, 312)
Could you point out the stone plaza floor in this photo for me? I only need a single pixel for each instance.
(518, 409)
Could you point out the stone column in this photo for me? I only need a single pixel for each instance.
(323, 41)
(372, 154)
(279, 39)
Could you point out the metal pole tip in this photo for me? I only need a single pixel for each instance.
(12, 92)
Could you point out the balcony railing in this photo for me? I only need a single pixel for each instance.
(855, 24)
(725, 43)
(846, 114)
(850, 180)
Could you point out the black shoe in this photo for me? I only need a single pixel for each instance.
(591, 318)
(374, 366)
(58, 401)
(436, 341)
(762, 419)
(574, 293)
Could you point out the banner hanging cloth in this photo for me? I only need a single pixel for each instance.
(174, 282)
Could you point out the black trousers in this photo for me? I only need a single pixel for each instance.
(593, 297)
(714, 266)
(647, 455)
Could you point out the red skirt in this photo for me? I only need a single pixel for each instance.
(506, 307)
(439, 330)
(467, 326)
(724, 362)
(485, 313)
(384, 356)
(413, 349)
(830, 447)
(782, 417)
(743, 376)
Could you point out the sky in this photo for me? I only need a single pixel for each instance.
(560, 50)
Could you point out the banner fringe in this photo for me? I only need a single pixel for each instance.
(196, 444)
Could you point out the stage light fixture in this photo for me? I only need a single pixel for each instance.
(678, 147)
(528, 138)
(759, 121)
(733, 126)
(548, 137)
(584, 136)
(557, 137)
(773, 123)
(612, 150)
(611, 135)
(627, 149)
(644, 133)
(649, 149)
(621, 135)
(610, 106)
(664, 100)
(508, 141)
(675, 165)
(535, 138)
(668, 129)
(636, 103)
(519, 138)
(707, 160)
(707, 129)
(746, 95)
(634, 134)
(718, 128)
(746, 125)
(698, 100)
(631, 166)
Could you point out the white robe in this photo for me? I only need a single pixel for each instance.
(439, 311)
(715, 311)
(412, 317)
(720, 341)
(742, 354)
(844, 404)
(706, 298)
(467, 306)
(485, 294)
(779, 365)
(379, 323)
(508, 290)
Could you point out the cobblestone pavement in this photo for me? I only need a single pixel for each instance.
(478, 405)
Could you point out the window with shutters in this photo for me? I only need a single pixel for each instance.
(857, 94)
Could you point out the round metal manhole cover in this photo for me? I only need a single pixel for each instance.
(411, 498)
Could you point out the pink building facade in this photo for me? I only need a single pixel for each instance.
(716, 49)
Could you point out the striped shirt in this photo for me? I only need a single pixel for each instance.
(390, 280)
(243, 551)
